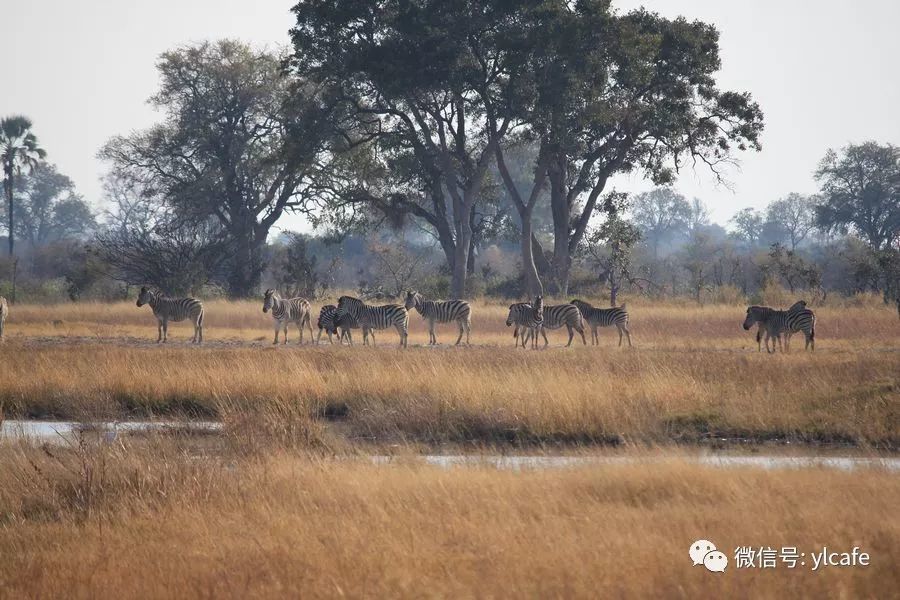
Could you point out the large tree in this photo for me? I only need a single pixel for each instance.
(408, 82)
(792, 217)
(49, 209)
(660, 214)
(239, 144)
(861, 193)
(614, 93)
(19, 151)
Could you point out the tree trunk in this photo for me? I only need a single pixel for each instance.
(560, 210)
(247, 268)
(532, 282)
(460, 262)
(8, 188)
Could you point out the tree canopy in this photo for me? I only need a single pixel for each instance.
(238, 143)
(861, 192)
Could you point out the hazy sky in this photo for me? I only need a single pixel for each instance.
(825, 74)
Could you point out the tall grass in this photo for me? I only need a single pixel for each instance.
(694, 374)
(152, 522)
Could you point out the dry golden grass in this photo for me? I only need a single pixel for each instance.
(151, 522)
(693, 374)
(258, 511)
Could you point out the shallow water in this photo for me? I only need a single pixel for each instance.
(62, 431)
(66, 431)
(516, 463)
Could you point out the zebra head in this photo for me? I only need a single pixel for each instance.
(754, 314)
(349, 305)
(145, 296)
(413, 299)
(515, 310)
(797, 306)
(268, 300)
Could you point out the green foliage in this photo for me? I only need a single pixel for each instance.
(238, 145)
(19, 151)
(861, 193)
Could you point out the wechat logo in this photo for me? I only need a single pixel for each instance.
(704, 552)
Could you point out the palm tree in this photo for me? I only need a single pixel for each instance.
(18, 150)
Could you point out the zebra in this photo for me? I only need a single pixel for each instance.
(325, 323)
(371, 318)
(441, 312)
(173, 309)
(778, 322)
(562, 315)
(528, 320)
(604, 317)
(286, 310)
(761, 315)
(801, 319)
(330, 321)
(4, 312)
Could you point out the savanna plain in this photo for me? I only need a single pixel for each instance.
(286, 499)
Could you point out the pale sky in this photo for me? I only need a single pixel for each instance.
(824, 72)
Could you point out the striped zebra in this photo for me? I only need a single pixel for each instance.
(327, 315)
(801, 319)
(604, 317)
(562, 315)
(786, 322)
(371, 318)
(441, 312)
(330, 321)
(288, 310)
(4, 312)
(528, 320)
(760, 315)
(173, 309)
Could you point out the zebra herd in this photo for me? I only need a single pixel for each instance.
(530, 319)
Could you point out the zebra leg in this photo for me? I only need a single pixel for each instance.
(759, 333)
(543, 333)
(159, 331)
(403, 335)
(309, 326)
(571, 335)
(581, 331)
(165, 328)
(461, 328)
(432, 339)
(627, 334)
(620, 336)
(285, 333)
(595, 338)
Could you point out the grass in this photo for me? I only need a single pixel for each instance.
(151, 521)
(285, 502)
(693, 375)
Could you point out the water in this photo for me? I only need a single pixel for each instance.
(66, 431)
(518, 463)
